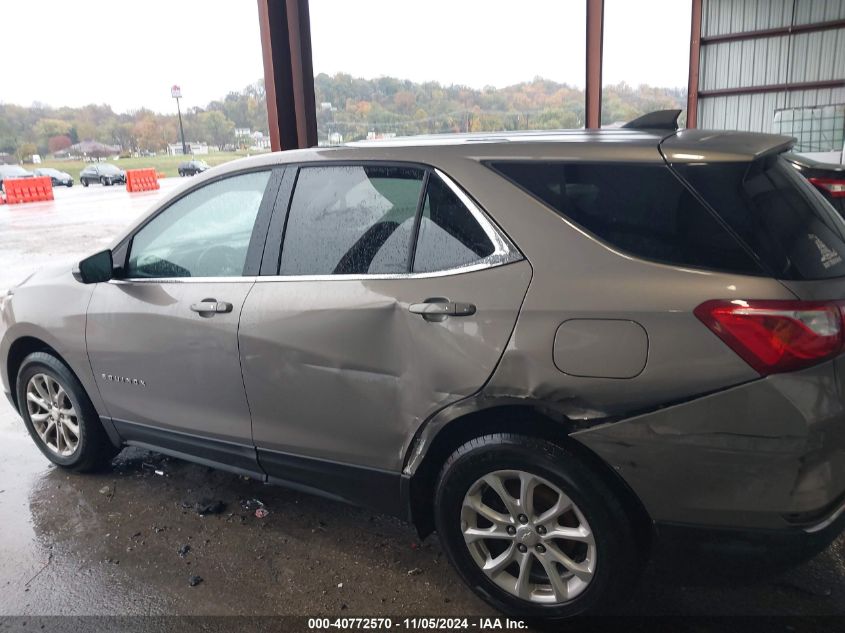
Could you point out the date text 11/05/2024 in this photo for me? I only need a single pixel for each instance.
(417, 624)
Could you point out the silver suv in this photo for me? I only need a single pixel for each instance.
(557, 350)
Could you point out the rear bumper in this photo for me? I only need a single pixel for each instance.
(747, 551)
(766, 455)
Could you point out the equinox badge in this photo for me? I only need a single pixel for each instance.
(129, 381)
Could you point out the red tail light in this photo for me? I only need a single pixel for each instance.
(834, 187)
(777, 336)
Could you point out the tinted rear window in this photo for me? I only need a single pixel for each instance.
(777, 213)
(644, 210)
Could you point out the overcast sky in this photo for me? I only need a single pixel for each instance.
(68, 52)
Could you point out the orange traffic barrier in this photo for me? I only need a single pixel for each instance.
(160, 175)
(28, 189)
(141, 180)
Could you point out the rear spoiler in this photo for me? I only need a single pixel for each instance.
(657, 120)
(692, 146)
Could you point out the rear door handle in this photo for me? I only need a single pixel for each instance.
(211, 306)
(437, 309)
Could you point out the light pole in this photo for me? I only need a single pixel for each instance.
(176, 93)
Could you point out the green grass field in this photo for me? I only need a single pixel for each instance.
(165, 164)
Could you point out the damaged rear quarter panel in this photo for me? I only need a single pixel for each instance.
(745, 456)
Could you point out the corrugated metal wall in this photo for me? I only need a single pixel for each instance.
(802, 57)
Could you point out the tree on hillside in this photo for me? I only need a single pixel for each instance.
(217, 129)
(58, 143)
(46, 128)
(25, 152)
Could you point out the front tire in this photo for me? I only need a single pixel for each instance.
(59, 415)
(533, 530)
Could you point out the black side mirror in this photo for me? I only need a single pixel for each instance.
(95, 269)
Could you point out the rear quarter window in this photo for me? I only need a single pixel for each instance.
(791, 228)
(643, 210)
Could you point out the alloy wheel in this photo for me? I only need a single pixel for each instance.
(528, 537)
(53, 415)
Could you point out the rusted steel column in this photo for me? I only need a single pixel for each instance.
(595, 37)
(288, 73)
(694, 64)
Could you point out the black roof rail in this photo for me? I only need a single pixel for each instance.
(657, 120)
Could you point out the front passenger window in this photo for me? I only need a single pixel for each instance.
(204, 234)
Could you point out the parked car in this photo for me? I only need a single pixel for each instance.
(104, 173)
(192, 167)
(828, 178)
(59, 178)
(8, 172)
(557, 349)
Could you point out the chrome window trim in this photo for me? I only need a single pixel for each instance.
(182, 280)
(503, 248)
(482, 265)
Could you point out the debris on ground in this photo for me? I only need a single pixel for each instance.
(416, 571)
(38, 573)
(251, 505)
(340, 585)
(205, 506)
(260, 513)
(193, 581)
(183, 551)
(158, 471)
(158, 530)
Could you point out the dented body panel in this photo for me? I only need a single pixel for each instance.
(759, 455)
(342, 370)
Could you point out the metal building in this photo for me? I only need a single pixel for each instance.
(756, 65)
(770, 66)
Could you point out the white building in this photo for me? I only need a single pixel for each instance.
(175, 149)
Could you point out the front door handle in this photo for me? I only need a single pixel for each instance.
(439, 309)
(211, 306)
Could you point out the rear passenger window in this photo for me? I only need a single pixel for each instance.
(643, 210)
(365, 219)
(351, 220)
(449, 237)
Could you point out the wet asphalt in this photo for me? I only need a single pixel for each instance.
(129, 541)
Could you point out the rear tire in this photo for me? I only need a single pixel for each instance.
(543, 566)
(84, 182)
(45, 384)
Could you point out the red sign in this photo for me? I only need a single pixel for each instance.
(175, 91)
